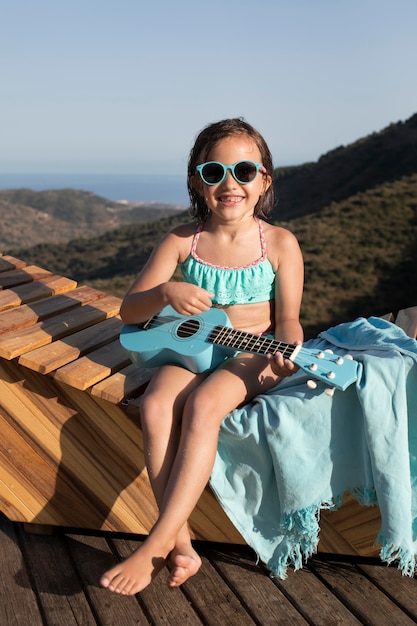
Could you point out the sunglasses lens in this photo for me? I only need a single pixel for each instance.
(245, 171)
(212, 173)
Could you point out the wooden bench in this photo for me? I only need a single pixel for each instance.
(71, 450)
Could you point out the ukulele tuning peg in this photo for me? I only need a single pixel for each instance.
(329, 391)
(349, 357)
(311, 384)
(329, 351)
(339, 361)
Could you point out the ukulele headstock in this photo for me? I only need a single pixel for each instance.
(334, 370)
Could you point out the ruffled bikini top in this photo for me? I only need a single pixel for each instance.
(251, 283)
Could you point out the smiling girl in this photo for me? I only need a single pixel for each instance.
(230, 257)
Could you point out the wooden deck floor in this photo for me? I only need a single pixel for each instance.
(52, 580)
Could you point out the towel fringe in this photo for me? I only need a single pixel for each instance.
(301, 530)
(406, 559)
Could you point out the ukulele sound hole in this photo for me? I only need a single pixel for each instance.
(188, 329)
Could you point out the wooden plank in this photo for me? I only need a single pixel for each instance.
(366, 601)
(92, 556)
(29, 314)
(61, 352)
(29, 292)
(400, 589)
(312, 598)
(21, 276)
(407, 320)
(127, 383)
(332, 540)
(351, 525)
(8, 263)
(56, 582)
(390, 317)
(67, 459)
(254, 588)
(43, 333)
(18, 604)
(215, 601)
(94, 367)
(169, 607)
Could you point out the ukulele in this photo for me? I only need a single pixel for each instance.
(201, 342)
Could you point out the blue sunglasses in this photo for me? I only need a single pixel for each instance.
(244, 172)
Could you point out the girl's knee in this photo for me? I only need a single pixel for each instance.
(200, 412)
(155, 411)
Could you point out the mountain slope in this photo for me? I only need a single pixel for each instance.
(360, 255)
(354, 213)
(381, 157)
(31, 217)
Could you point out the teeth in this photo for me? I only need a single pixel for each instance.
(229, 198)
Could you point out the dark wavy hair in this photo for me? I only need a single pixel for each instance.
(205, 142)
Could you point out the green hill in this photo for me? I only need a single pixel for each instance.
(382, 157)
(360, 247)
(30, 217)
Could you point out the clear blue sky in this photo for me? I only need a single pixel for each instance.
(123, 86)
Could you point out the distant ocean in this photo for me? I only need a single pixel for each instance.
(132, 187)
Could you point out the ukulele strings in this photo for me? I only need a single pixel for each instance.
(190, 326)
(316, 362)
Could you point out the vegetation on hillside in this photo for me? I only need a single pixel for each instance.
(382, 157)
(31, 217)
(360, 249)
(360, 255)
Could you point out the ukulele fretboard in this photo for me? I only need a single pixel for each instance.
(248, 342)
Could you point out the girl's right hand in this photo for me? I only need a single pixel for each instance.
(187, 299)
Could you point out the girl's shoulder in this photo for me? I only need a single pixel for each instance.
(180, 239)
(187, 229)
(279, 235)
(281, 244)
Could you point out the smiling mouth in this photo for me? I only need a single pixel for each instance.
(230, 199)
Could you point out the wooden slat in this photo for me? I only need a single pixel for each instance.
(18, 601)
(29, 314)
(21, 276)
(54, 580)
(43, 333)
(332, 541)
(29, 292)
(124, 384)
(351, 529)
(358, 593)
(69, 460)
(53, 356)
(119, 611)
(210, 595)
(94, 367)
(407, 320)
(402, 589)
(45, 555)
(8, 262)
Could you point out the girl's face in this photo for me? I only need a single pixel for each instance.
(230, 198)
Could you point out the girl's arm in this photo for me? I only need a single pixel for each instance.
(153, 289)
(288, 297)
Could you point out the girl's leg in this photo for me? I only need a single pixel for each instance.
(236, 382)
(161, 412)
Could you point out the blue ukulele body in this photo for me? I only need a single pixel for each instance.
(201, 342)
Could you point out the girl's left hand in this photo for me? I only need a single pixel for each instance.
(280, 366)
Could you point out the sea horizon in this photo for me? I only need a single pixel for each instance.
(169, 188)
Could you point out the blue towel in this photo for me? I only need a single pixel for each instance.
(295, 451)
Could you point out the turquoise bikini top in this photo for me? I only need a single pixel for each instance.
(251, 283)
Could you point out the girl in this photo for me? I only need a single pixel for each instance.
(234, 260)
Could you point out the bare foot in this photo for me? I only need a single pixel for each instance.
(133, 574)
(183, 566)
